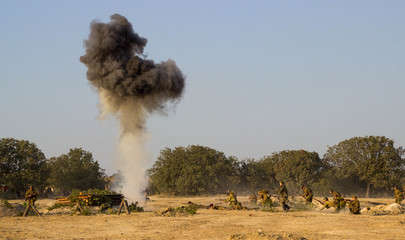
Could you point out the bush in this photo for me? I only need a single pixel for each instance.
(86, 211)
(133, 207)
(55, 206)
(190, 209)
(6, 203)
(268, 209)
(8, 195)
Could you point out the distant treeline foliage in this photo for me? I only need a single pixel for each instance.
(193, 170)
(362, 165)
(367, 166)
(22, 165)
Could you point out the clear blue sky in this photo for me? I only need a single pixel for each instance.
(262, 76)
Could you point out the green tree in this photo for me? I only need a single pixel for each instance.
(22, 164)
(75, 170)
(193, 170)
(295, 167)
(372, 159)
(258, 174)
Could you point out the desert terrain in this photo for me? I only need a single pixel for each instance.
(206, 224)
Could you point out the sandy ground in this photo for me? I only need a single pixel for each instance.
(206, 224)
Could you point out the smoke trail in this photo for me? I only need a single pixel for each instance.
(129, 87)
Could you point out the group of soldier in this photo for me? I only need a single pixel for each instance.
(337, 201)
(264, 197)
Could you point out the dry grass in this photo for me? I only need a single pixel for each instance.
(206, 224)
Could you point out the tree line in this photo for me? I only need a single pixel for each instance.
(367, 166)
(22, 164)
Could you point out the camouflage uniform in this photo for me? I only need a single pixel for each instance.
(253, 198)
(214, 207)
(282, 191)
(233, 201)
(308, 195)
(354, 206)
(327, 204)
(238, 206)
(398, 195)
(264, 196)
(338, 202)
(335, 194)
(31, 196)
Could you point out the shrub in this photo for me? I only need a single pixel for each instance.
(6, 203)
(55, 206)
(133, 207)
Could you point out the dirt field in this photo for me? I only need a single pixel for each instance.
(206, 224)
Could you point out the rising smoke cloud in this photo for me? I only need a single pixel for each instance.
(129, 87)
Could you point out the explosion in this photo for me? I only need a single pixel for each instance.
(130, 87)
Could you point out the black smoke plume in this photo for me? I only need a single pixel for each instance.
(116, 67)
(130, 87)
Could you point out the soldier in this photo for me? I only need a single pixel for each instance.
(308, 195)
(214, 207)
(146, 195)
(326, 203)
(399, 196)
(238, 206)
(264, 196)
(48, 192)
(335, 193)
(31, 195)
(190, 203)
(252, 198)
(354, 205)
(233, 201)
(282, 191)
(338, 201)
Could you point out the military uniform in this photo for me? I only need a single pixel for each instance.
(335, 194)
(253, 198)
(233, 201)
(308, 195)
(214, 207)
(399, 196)
(265, 199)
(238, 206)
(327, 204)
(354, 206)
(282, 191)
(31, 196)
(338, 202)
